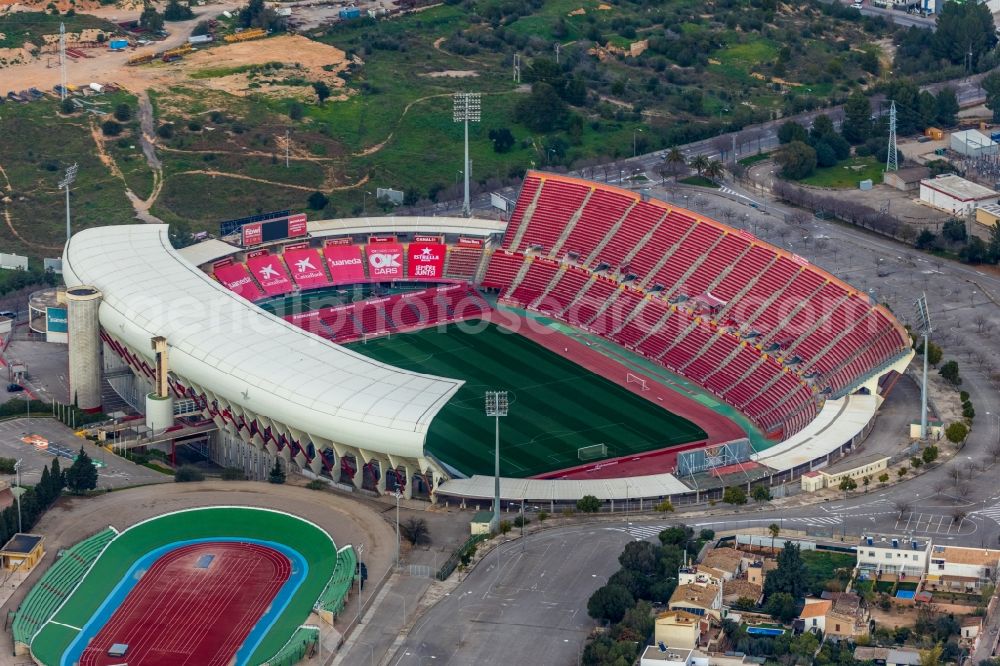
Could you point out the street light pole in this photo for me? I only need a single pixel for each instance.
(467, 107)
(64, 185)
(398, 495)
(496, 406)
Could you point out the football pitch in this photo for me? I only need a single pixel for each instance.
(556, 406)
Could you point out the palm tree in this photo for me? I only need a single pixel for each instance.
(698, 163)
(674, 156)
(714, 169)
(775, 531)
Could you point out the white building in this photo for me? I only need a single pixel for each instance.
(973, 143)
(894, 555)
(962, 569)
(955, 195)
(664, 655)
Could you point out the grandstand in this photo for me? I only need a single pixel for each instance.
(717, 316)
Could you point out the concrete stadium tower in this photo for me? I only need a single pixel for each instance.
(85, 365)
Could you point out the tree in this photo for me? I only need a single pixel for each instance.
(790, 576)
(123, 112)
(187, 474)
(175, 11)
(947, 107)
(642, 557)
(782, 606)
(857, 118)
(964, 30)
(44, 488)
(504, 526)
(678, 535)
(81, 475)
(934, 352)
(150, 19)
(950, 372)
(932, 656)
(954, 231)
(610, 602)
(775, 530)
(925, 239)
(847, 484)
(67, 106)
(901, 472)
(866, 480)
(792, 131)
(797, 160)
(734, 495)
(883, 478)
(761, 493)
(674, 157)
(415, 531)
(699, 163)
(825, 157)
(991, 84)
(588, 504)
(57, 478)
(322, 91)
(956, 432)
(111, 128)
(277, 473)
(258, 15)
(317, 201)
(543, 110)
(714, 169)
(502, 138)
(666, 506)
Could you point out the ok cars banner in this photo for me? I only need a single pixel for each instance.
(385, 261)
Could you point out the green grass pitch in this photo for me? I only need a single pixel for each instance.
(556, 406)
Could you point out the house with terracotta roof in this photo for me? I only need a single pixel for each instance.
(700, 600)
(679, 628)
(734, 590)
(848, 618)
(961, 569)
(813, 615)
(728, 560)
(701, 574)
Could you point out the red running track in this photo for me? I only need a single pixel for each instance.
(718, 428)
(179, 614)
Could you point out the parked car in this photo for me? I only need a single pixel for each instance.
(14, 388)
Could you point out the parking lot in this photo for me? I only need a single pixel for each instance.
(113, 472)
(931, 523)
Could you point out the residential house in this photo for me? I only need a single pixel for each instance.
(887, 656)
(662, 655)
(813, 615)
(701, 600)
(679, 629)
(728, 560)
(971, 626)
(908, 556)
(848, 617)
(701, 574)
(960, 569)
(757, 570)
(734, 590)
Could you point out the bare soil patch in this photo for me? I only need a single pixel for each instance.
(453, 73)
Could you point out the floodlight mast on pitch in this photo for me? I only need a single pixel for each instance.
(467, 108)
(924, 329)
(496, 406)
(64, 184)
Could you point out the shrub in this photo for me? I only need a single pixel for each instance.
(296, 111)
(123, 112)
(317, 201)
(543, 516)
(505, 526)
(111, 128)
(521, 521)
(194, 126)
(188, 473)
(956, 432)
(67, 106)
(588, 504)
(165, 131)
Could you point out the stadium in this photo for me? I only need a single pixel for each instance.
(647, 351)
(216, 585)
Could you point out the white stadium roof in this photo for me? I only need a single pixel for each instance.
(235, 350)
(471, 226)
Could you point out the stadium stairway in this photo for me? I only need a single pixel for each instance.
(44, 599)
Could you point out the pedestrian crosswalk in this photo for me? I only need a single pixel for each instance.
(818, 521)
(991, 512)
(727, 190)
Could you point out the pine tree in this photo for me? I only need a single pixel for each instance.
(57, 478)
(277, 474)
(81, 475)
(44, 488)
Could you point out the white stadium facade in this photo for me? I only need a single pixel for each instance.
(265, 388)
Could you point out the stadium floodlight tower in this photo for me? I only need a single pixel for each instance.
(496, 406)
(64, 185)
(467, 109)
(924, 329)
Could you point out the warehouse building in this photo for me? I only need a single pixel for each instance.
(973, 143)
(955, 195)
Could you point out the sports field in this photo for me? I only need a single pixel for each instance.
(198, 612)
(556, 407)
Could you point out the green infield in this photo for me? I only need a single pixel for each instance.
(311, 542)
(556, 406)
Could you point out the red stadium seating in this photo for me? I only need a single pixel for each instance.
(756, 326)
(236, 278)
(270, 273)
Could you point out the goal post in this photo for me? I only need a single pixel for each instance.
(592, 452)
(636, 379)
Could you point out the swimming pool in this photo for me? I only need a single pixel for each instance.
(905, 594)
(764, 631)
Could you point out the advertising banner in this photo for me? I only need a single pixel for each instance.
(339, 241)
(56, 318)
(257, 253)
(426, 239)
(224, 262)
(270, 274)
(470, 242)
(385, 261)
(306, 267)
(344, 263)
(253, 233)
(381, 239)
(296, 246)
(426, 260)
(297, 225)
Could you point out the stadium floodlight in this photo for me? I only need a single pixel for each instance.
(924, 329)
(467, 109)
(64, 184)
(497, 405)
